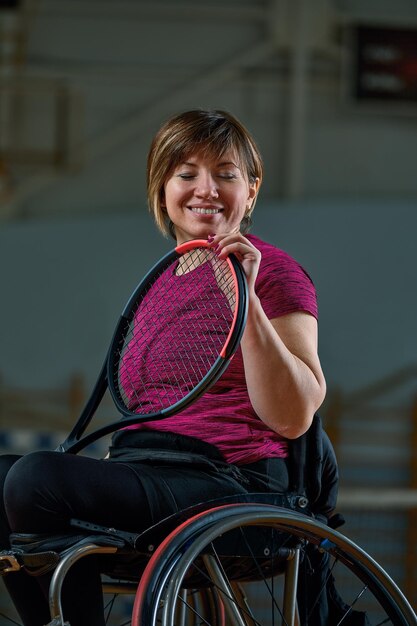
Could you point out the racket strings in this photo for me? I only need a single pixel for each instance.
(136, 345)
(176, 332)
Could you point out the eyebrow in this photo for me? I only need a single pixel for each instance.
(222, 164)
(228, 163)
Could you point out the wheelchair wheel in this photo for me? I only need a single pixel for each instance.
(260, 563)
(199, 606)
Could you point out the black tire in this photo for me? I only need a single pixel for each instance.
(177, 564)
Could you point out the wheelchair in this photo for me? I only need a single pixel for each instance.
(252, 560)
(258, 559)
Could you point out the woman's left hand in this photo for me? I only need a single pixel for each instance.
(245, 252)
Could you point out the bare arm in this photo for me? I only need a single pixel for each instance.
(283, 372)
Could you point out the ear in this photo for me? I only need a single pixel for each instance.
(253, 189)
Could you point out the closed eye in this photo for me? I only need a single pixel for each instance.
(227, 176)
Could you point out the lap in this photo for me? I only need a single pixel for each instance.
(44, 490)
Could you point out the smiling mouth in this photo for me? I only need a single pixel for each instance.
(205, 211)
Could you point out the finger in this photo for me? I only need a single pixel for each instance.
(220, 241)
(240, 249)
(214, 239)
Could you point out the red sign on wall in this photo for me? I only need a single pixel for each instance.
(386, 64)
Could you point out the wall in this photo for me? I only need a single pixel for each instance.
(76, 241)
(64, 282)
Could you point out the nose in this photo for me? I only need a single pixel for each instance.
(206, 187)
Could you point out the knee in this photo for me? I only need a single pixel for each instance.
(6, 463)
(25, 488)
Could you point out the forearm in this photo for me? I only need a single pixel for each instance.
(285, 390)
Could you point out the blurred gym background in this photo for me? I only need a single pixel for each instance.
(329, 90)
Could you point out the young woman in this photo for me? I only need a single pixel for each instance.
(204, 175)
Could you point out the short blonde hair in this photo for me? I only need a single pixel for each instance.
(212, 133)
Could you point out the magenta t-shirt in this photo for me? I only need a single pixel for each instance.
(224, 416)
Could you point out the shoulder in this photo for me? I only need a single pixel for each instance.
(276, 260)
(271, 252)
(283, 285)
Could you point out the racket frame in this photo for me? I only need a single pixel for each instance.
(75, 441)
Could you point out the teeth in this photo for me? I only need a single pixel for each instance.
(204, 211)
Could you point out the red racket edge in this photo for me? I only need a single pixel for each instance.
(241, 309)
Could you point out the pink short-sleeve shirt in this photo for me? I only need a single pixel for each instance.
(224, 416)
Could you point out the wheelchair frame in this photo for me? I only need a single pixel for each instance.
(160, 596)
(173, 546)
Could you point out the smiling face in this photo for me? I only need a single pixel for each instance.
(204, 196)
(193, 150)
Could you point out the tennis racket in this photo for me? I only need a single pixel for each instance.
(174, 339)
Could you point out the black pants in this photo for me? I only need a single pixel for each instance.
(42, 491)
